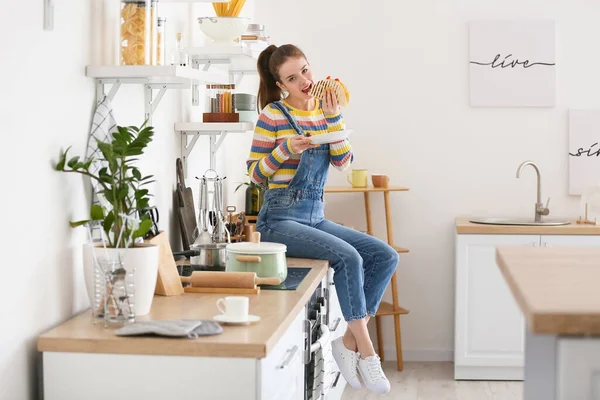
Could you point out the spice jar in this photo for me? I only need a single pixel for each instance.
(139, 25)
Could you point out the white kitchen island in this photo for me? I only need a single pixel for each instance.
(558, 292)
(264, 360)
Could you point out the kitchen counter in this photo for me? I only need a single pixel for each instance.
(557, 288)
(277, 309)
(463, 226)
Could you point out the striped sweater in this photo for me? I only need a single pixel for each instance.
(271, 155)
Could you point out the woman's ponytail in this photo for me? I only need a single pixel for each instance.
(268, 91)
(269, 61)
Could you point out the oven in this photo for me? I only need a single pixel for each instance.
(320, 372)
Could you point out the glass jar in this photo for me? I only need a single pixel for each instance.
(139, 23)
(179, 56)
(161, 41)
(254, 199)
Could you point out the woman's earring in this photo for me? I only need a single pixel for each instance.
(285, 94)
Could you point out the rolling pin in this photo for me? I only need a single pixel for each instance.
(219, 279)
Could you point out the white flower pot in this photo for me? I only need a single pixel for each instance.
(143, 258)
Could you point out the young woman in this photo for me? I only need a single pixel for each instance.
(292, 212)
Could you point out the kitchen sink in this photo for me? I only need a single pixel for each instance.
(518, 221)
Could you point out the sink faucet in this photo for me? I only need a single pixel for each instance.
(539, 206)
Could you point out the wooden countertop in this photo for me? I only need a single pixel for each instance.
(463, 226)
(350, 189)
(277, 309)
(557, 288)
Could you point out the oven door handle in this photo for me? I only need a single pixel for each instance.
(320, 343)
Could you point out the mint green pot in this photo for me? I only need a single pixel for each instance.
(266, 259)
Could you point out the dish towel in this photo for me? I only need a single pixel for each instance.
(172, 328)
(102, 129)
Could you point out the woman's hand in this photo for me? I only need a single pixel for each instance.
(301, 143)
(330, 103)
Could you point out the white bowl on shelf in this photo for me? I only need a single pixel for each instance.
(223, 30)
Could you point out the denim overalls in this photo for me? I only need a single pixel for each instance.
(363, 265)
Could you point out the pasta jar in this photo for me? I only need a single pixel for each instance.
(161, 43)
(139, 25)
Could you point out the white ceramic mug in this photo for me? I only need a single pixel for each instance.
(234, 307)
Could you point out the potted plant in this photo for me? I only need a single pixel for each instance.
(121, 192)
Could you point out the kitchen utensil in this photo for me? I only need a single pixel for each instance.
(247, 280)
(186, 212)
(209, 254)
(231, 226)
(203, 236)
(266, 259)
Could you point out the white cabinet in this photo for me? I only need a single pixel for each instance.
(489, 330)
(489, 327)
(281, 373)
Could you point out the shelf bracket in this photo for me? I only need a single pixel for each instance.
(236, 76)
(214, 144)
(196, 87)
(100, 87)
(151, 104)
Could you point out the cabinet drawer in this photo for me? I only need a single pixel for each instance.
(279, 371)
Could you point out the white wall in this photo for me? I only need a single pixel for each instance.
(406, 65)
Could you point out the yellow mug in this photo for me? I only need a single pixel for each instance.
(358, 178)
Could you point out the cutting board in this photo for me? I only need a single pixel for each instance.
(186, 213)
(168, 282)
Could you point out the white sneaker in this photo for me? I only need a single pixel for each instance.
(372, 374)
(347, 361)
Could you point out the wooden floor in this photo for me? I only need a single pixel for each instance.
(434, 381)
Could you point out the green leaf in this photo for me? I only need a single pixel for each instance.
(108, 222)
(97, 212)
(139, 194)
(62, 159)
(122, 193)
(73, 161)
(144, 227)
(78, 223)
(136, 173)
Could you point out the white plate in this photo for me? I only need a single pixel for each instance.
(330, 137)
(236, 321)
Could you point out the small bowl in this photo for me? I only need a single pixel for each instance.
(223, 30)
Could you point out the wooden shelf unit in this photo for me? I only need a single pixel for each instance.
(385, 308)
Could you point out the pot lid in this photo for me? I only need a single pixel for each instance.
(256, 248)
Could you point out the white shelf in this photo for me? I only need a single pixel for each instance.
(239, 58)
(211, 128)
(152, 74)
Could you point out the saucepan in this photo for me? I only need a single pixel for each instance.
(265, 258)
(213, 255)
